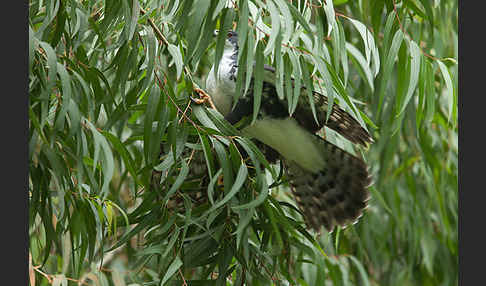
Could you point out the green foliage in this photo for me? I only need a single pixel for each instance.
(114, 140)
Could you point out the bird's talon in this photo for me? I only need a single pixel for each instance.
(197, 100)
(203, 98)
(201, 92)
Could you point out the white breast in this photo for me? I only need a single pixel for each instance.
(222, 88)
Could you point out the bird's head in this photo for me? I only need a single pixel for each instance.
(231, 42)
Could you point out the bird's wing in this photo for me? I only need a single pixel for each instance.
(339, 120)
(329, 184)
(337, 194)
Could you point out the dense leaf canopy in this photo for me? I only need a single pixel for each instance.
(131, 183)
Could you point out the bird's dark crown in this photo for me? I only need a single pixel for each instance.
(233, 38)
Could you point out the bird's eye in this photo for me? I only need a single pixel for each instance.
(229, 35)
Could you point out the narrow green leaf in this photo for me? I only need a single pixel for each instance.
(166, 163)
(242, 27)
(387, 68)
(297, 81)
(450, 94)
(271, 216)
(309, 88)
(66, 96)
(279, 68)
(177, 56)
(151, 46)
(275, 16)
(108, 163)
(225, 26)
(195, 25)
(362, 65)
(258, 200)
(331, 16)
(239, 180)
(416, 9)
(135, 13)
(387, 32)
(299, 17)
(203, 118)
(208, 155)
(430, 15)
(218, 9)
(174, 266)
(344, 55)
(419, 115)
(178, 182)
(337, 49)
(211, 184)
(56, 165)
(362, 271)
(203, 40)
(415, 57)
(125, 217)
(31, 48)
(225, 164)
(147, 221)
(51, 10)
(288, 86)
(367, 37)
(258, 81)
(51, 65)
(288, 20)
(222, 124)
(122, 150)
(150, 118)
(430, 100)
(256, 155)
(341, 91)
(322, 66)
(251, 48)
(174, 235)
(245, 218)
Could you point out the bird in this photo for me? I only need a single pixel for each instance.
(329, 184)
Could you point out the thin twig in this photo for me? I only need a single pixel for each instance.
(36, 268)
(183, 280)
(175, 104)
(156, 30)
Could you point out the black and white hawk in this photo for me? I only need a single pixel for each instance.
(328, 183)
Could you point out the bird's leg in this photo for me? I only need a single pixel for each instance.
(203, 97)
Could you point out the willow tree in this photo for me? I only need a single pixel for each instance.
(132, 183)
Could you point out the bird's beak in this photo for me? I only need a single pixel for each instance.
(215, 33)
